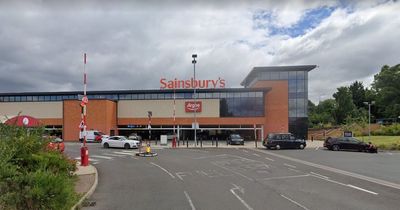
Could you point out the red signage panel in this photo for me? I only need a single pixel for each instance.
(190, 106)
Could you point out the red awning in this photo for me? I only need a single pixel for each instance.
(23, 120)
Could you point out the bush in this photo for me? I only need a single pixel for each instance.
(391, 130)
(30, 176)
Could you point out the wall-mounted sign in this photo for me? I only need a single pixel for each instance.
(190, 106)
(191, 83)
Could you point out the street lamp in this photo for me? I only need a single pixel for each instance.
(369, 118)
(194, 56)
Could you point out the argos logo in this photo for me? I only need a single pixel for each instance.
(190, 106)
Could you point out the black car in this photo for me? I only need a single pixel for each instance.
(283, 140)
(349, 143)
(235, 139)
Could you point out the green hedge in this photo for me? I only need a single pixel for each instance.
(30, 176)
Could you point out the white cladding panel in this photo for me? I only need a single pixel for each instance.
(165, 108)
(34, 109)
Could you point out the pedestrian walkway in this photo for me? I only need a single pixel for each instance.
(222, 144)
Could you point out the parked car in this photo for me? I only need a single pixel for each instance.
(56, 144)
(283, 140)
(120, 141)
(349, 143)
(134, 136)
(235, 139)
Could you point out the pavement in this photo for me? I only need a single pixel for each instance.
(86, 183)
(222, 144)
(238, 177)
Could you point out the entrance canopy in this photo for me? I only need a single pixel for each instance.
(23, 120)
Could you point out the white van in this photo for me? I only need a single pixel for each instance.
(92, 136)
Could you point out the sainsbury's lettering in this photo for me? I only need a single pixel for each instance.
(191, 83)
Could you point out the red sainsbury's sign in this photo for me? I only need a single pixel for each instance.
(190, 106)
(191, 83)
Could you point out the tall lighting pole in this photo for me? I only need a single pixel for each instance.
(369, 118)
(194, 56)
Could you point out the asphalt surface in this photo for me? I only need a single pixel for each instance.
(229, 178)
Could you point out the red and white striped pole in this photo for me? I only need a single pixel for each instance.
(84, 149)
(174, 138)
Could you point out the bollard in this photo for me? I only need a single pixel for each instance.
(84, 156)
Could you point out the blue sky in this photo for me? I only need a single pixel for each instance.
(311, 18)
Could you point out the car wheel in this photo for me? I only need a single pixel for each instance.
(278, 146)
(335, 148)
(301, 146)
(126, 146)
(105, 145)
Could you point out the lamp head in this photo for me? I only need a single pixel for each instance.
(194, 56)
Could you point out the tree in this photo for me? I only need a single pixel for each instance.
(345, 106)
(358, 93)
(387, 86)
(323, 113)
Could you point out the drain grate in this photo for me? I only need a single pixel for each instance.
(88, 203)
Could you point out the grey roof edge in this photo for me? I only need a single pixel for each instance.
(277, 68)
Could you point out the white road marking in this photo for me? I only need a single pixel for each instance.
(346, 185)
(325, 177)
(359, 188)
(269, 159)
(256, 154)
(389, 153)
(95, 163)
(335, 170)
(245, 151)
(125, 153)
(92, 159)
(316, 148)
(238, 197)
(114, 155)
(180, 175)
(298, 204)
(288, 165)
(295, 170)
(103, 157)
(189, 200)
(235, 172)
(165, 170)
(284, 177)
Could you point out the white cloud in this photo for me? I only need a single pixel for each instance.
(131, 45)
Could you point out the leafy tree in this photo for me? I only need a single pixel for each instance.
(323, 113)
(345, 106)
(358, 92)
(387, 86)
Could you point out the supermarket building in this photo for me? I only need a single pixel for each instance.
(273, 99)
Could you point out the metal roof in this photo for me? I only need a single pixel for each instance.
(106, 92)
(254, 72)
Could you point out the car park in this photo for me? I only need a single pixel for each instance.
(235, 139)
(283, 141)
(349, 143)
(120, 142)
(93, 136)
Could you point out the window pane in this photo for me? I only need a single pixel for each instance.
(284, 75)
(215, 95)
(300, 75)
(274, 75)
(292, 75)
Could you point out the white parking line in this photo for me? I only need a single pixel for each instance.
(269, 159)
(103, 157)
(114, 155)
(284, 177)
(335, 170)
(245, 151)
(359, 188)
(238, 197)
(248, 178)
(298, 204)
(288, 165)
(295, 170)
(316, 148)
(165, 170)
(189, 200)
(256, 154)
(325, 177)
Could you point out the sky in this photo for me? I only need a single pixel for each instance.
(131, 45)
